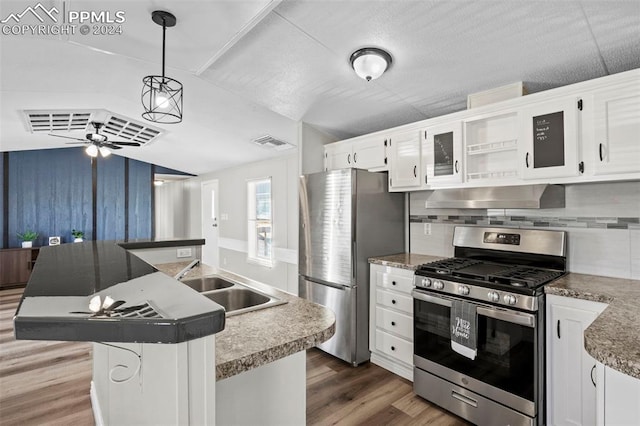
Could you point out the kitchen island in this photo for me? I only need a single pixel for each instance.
(138, 380)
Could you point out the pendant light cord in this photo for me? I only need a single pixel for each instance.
(164, 36)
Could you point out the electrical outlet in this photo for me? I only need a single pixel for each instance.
(184, 252)
(427, 228)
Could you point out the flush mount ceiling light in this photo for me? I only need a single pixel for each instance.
(370, 62)
(162, 96)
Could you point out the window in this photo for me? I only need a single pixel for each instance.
(260, 221)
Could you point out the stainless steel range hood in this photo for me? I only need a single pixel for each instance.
(541, 196)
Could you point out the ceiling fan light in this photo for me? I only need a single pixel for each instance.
(370, 63)
(92, 151)
(104, 151)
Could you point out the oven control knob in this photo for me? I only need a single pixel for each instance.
(438, 285)
(509, 299)
(493, 296)
(426, 282)
(463, 290)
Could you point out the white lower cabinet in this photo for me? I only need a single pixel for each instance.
(571, 371)
(391, 319)
(620, 400)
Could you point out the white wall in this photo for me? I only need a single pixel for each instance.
(232, 202)
(602, 221)
(170, 210)
(312, 142)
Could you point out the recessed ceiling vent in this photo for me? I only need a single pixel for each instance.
(125, 128)
(57, 120)
(271, 142)
(115, 126)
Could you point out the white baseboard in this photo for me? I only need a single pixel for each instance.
(95, 405)
(395, 367)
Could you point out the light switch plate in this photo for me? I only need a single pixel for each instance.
(184, 252)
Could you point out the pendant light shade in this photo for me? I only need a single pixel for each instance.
(370, 62)
(161, 95)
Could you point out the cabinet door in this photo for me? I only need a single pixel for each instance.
(616, 127)
(442, 153)
(405, 160)
(370, 153)
(550, 139)
(15, 266)
(338, 156)
(571, 389)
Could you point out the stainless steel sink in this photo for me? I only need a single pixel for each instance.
(208, 283)
(234, 297)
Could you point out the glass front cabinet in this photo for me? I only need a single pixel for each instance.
(442, 154)
(550, 139)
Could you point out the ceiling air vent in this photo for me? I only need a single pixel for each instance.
(271, 142)
(57, 120)
(127, 129)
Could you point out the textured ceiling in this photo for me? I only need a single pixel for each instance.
(259, 67)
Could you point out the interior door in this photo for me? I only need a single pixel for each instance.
(210, 222)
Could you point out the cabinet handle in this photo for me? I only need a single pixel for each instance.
(393, 324)
(349, 159)
(526, 160)
(393, 302)
(354, 157)
(385, 142)
(415, 171)
(425, 179)
(600, 152)
(393, 348)
(385, 160)
(393, 283)
(558, 328)
(456, 166)
(592, 379)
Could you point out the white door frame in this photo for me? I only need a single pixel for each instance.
(203, 226)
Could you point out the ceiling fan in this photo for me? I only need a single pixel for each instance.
(97, 142)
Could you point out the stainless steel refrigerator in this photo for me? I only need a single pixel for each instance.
(346, 216)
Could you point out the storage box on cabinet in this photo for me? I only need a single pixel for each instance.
(391, 324)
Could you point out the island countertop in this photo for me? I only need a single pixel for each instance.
(259, 337)
(55, 303)
(613, 338)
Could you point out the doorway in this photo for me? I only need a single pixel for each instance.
(210, 222)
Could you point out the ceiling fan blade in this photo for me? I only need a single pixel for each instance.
(111, 146)
(76, 143)
(68, 137)
(124, 143)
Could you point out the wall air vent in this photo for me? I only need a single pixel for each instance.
(271, 142)
(57, 120)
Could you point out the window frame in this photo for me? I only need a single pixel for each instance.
(254, 222)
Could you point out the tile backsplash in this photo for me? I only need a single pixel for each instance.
(602, 221)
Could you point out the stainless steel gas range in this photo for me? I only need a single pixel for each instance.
(491, 296)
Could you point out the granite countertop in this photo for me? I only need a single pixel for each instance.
(160, 243)
(409, 261)
(613, 338)
(55, 303)
(259, 337)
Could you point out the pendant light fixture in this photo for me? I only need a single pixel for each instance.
(370, 62)
(161, 95)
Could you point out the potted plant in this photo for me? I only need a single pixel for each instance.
(27, 238)
(77, 236)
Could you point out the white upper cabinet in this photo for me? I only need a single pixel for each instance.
(442, 154)
(616, 129)
(491, 147)
(366, 152)
(550, 139)
(404, 170)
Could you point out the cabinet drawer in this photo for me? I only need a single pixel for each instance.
(395, 301)
(395, 322)
(396, 282)
(395, 347)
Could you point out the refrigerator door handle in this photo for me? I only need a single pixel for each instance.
(325, 283)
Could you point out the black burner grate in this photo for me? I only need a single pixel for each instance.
(446, 266)
(524, 276)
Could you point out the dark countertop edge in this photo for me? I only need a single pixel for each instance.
(622, 364)
(168, 331)
(269, 355)
(403, 260)
(134, 245)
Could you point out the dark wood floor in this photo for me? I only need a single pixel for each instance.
(47, 383)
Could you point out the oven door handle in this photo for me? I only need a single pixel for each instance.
(515, 317)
